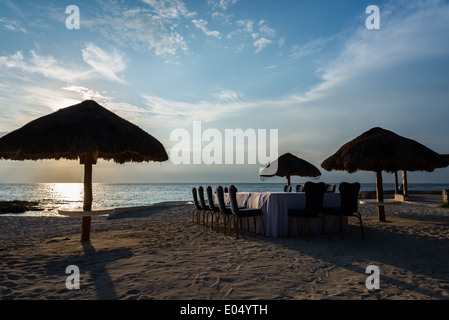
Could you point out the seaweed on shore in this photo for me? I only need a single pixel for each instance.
(18, 206)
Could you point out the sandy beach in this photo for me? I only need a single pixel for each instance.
(160, 254)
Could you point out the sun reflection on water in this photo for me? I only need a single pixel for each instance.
(69, 196)
(68, 191)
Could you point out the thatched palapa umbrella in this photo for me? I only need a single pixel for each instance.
(289, 165)
(445, 156)
(382, 150)
(86, 131)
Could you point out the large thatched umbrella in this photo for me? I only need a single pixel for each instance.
(289, 165)
(86, 131)
(382, 150)
(445, 156)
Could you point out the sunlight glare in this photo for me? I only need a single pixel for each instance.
(69, 191)
(69, 195)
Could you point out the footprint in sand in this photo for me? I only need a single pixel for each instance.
(132, 294)
(216, 283)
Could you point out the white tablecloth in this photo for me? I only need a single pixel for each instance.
(275, 207)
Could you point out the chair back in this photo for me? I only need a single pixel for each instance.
(288, 188)
(300, 188)
(330, 187)
(201, 196)
(314, 197)
(349, 193)
(195, 199)
(220, 198)
(210, 198)
(233, 199)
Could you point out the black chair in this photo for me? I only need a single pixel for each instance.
(239, 213)
(197, 205)
(300, 188)
(313, 207)
(349, 205)
(204, 206)
(213, 209)
(288, 188)
(225, 211)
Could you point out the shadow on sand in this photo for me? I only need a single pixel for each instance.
(92, 265)
(388, 247)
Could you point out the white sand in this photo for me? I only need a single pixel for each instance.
(160, 254)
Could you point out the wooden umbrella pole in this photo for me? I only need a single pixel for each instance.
(380, 195)
(87, 203)
(288, 180)
(396, 183)
(404, 183)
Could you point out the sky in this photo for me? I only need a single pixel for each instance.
(312, 70)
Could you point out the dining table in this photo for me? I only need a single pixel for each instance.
(275, 207)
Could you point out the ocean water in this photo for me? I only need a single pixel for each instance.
(69, 196)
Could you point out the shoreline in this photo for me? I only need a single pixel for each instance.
(27, 207)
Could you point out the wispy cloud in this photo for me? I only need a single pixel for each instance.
(226, 95)
(202, 25)
(46, 66)
(87, 93)
(312, 47)
(181, 113)
(261, 43)
(169, 9)
(106, 64)
(153, 27)
(261, 34)
(265, 30)
(222, 4)
(106, 99)
(247, 25)
(103, 65)
(129, 111)
(29, 101)
(12, 25)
